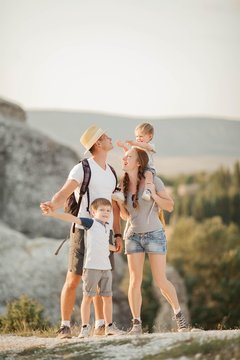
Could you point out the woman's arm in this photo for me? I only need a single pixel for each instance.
(163, 200)
(123, 211)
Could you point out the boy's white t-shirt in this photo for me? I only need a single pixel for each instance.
(102, 184)
(96, 245)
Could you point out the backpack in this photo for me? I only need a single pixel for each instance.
(72, 206)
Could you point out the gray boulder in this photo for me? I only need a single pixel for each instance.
(9, 110)
(30, 267)
(33, 168)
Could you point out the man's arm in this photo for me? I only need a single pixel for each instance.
(60, 197)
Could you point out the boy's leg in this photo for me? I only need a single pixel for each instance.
(97, 300)
(107, 309)
(85, 309)
(148, 180)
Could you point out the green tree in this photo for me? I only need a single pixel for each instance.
(208, 256)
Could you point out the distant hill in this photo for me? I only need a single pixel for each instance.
(192, 143)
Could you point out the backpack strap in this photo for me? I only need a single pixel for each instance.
(114, 173)
(84, 186)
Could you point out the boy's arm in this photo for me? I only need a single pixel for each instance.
(144, 146)
(65, 217)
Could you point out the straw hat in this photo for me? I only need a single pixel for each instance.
(91, 136)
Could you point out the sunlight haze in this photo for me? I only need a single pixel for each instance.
(144, 58)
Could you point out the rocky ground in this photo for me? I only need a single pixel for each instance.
(215, 345)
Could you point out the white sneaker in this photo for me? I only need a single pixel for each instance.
(146, 195)
(113, 330)
(85, 332)
(118, 196)
(136, 328)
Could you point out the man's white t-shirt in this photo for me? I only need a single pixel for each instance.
(102, 184)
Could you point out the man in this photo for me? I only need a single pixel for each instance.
(102, 184)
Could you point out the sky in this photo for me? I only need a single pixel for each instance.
(132, 57)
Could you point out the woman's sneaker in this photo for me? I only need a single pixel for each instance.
(182, 324)
(146, 195)
(118, 196)
(64, 332)
(136, 328)
(85, 331)
(112, 329)
(99, 331)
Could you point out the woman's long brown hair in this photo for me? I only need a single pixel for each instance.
(142, 158)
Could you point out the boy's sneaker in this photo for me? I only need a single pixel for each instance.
(182, 324)
(64, 332)
(85, 332)
(99, 331)
(146, 195)
(136, 328)
(113, 330)
(118, 196)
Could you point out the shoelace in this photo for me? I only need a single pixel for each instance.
(62, 328)
(181, 322)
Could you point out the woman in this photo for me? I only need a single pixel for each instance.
(144, 234)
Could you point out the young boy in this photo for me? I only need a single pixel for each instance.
(97, 274)
(144, 135)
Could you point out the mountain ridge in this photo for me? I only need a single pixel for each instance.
(184, 137)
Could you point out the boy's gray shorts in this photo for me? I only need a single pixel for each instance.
(77, 249)
(97, 282)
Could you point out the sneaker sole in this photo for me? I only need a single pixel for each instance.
(64, 336)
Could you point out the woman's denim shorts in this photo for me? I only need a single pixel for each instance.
(150, 242)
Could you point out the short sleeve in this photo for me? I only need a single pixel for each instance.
(158, 184)
(86, 222)
(76, 173)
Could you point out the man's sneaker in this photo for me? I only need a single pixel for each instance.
(136, 328)
(146, 195)
(99, 331)
(85, 331)
(64, 332)
(182, 324)
(118, 196)
(112, 329)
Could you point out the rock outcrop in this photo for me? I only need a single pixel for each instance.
(11, 111)
(30, 267)
(33, 168)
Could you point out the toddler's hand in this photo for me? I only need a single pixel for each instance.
(120, 143)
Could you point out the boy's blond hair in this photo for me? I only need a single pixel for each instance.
(146, 128)
(100, 202)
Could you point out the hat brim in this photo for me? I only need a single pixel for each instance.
(99, 133)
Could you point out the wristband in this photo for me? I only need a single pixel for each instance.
(117, 235)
